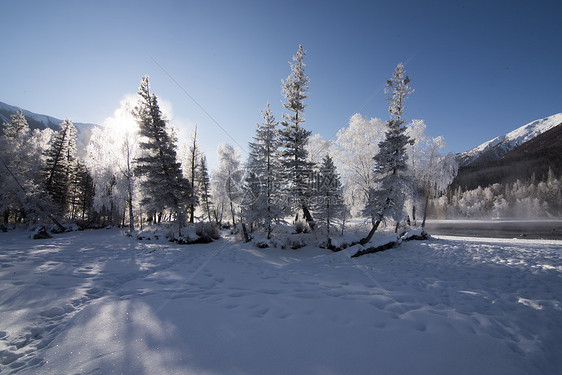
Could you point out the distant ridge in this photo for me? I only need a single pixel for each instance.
(532, 158)
(39, 121)
(499, 146)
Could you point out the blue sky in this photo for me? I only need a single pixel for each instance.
(479, 68)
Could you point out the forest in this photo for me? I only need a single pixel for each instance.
(383, 171)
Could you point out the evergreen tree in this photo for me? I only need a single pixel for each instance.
(19, 161)
(204, 184)
(294, 138)
(162, 183)
(83, 191)
(192, 167)
(60, 165)
(330, 208)
(393, 181)
(263, 201)
(129, 177)
(17, 127)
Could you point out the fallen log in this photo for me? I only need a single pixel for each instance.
(389, 245)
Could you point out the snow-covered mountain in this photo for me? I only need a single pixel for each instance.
(501, 145)
(39, 121)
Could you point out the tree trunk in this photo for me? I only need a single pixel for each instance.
(371, 233)
(425, 210)
(232, 213)
(308, 217)
(245, 231)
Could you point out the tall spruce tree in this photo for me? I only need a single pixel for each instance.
(17, 164)
(60, 165)
(294, 138)
(262, 193)
(83, 191)
(204, 184)
(330, 207)
(192, 165)
(391, 177)
(162, 182)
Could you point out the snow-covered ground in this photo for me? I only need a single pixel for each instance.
(97, 302)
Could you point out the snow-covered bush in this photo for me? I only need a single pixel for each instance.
(207, 231)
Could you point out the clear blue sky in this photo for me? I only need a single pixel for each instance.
(479, 68)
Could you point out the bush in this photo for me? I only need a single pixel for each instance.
(301, 227)
(207, 231)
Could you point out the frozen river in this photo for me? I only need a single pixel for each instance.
(545, 229)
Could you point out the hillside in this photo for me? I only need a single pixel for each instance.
(501, 145)
(39, 121)
(533, 157)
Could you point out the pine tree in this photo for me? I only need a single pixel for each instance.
(129, 178)
(294, 138)
(387, 199)
(163, 184)
(262, 198)
(204, 184)
(17, 163)
(192, 166)
(83, 191)
(60, 165)
(330, 207)
(18, 126)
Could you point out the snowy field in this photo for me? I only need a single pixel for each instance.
(97, 302)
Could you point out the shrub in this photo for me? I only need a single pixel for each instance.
(207, 231)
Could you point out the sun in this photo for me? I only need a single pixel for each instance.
(122, 121)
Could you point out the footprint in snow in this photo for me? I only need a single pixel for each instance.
(261, 312)
(53, 312)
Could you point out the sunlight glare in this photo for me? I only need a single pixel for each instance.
(122, 121)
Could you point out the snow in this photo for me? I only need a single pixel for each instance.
(98, 302)
(514, 138)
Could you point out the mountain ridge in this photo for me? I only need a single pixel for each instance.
(40, 121)
(532, 159)
(501, 145)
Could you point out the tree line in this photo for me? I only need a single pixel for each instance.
(139, 176)
(521, 199)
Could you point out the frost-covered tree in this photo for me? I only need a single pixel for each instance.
(330, 208)
(110, 157)
(227, 183)
(431, 171)
(191, 167)
(162, 183)
(60, 165)
(294, 138)
(22, 189)
(82, 193)
(317, 148)
(387, 199)
(262, 201)
(103, 159)
(355, 146)
(18, 171)
(204, 183)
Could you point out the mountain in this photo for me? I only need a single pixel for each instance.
(532, 158)
(495, 148)
(38, 121)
